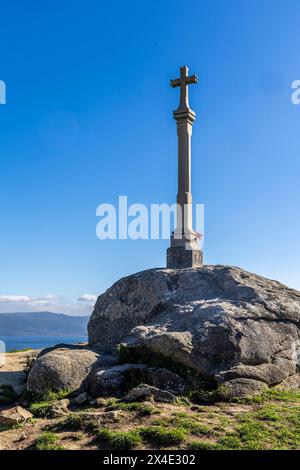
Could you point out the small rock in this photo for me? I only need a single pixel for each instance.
(100, 402)
(195, 408)
(146, 392)
(60, 408)
(81, 399)
(103, 416)
(64, 403)
(93, 402)
(14, 415)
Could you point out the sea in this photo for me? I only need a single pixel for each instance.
(38, 342)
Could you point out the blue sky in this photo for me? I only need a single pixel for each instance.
(89, 117)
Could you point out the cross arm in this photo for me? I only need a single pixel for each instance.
(175, 83)
(192, 79)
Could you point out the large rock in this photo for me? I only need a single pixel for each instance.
(65, 368)
(225, 324)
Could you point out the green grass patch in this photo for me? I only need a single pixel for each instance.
(121, 440)
(203, 445)
(190, 425)
(41, 405)
(142, 409)
(7, 427)
(73, 422)
(267, 414)
(230, 442)
(48, 441)
(209, 395)
(41, 409)
(76, 422)
(270, 395)
(163, 437)
(49, 396)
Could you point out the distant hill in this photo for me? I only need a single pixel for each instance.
(42, 324)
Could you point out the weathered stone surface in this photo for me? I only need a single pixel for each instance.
(64, 368)
(290, 383)
(116, 379)
(244, 388)
(222, 322)
(165, 380)
(103, 417)
(60, 408)
(146, 392)
(14, 415)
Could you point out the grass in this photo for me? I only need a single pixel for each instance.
(73, 422)
(41, 406)
(191, 425)
(230, 442)
(270, 395)
(48, 441)
(142, 409)
(270, 421)
(7, 427)
(208, 396)
(77, 422)
(41, 409)
(121, 440)
(202, 445)
(163, 437)
(49, 396)
(183, 421)
(268, 427)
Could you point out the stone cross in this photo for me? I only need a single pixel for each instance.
(184, 251)
(183, 82)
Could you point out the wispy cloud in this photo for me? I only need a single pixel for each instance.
(49, 302)
(87, 298)
(26, 298)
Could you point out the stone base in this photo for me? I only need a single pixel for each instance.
(178, 258)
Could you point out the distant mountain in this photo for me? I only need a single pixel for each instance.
(42, 324)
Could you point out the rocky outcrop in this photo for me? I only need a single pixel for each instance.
(173, 329)
(221, 323)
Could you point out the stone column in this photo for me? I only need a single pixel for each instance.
(184, 251)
